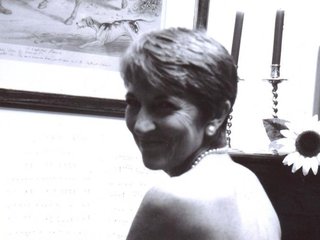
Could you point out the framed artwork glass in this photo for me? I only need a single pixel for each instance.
(63, 55)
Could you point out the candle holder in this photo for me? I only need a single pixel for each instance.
(229, 121)
(228, 130)
(274, 81)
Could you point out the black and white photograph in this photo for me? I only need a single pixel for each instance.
(159, 120)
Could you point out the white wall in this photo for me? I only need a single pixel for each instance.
(68, 177)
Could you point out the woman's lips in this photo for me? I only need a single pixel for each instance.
(151, 144)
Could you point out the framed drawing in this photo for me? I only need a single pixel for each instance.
(85, 33)
(67, 40)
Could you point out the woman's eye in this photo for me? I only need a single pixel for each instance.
(166, 106)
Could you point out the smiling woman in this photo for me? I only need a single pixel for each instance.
(181, 86)
(167, 129)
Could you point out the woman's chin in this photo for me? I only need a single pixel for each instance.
(153, 163)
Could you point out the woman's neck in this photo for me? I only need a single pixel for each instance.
(190, 161)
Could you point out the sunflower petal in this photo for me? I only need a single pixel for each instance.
(294, 127)
(297, 164)
(315, 119)
(288, 148)
(314, 165)
(318, 158)
(306, 166)
(288, 133)
(290, 159)
(317, 127)
(314, 123)
(286, 160)
(283, 145)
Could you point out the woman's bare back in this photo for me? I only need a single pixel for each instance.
(218, 199)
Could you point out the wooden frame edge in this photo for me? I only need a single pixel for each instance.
(61, 103)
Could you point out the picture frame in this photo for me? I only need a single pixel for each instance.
(78, 104)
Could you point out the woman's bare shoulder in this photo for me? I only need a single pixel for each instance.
(163, 214)
(170, 214)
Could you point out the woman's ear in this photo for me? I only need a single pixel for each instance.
(215, 123)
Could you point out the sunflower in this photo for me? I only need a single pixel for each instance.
(302, 143)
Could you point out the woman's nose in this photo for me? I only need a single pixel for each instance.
(144, 122)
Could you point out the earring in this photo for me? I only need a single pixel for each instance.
(210, 130)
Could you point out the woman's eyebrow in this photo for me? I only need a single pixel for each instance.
(162, 97)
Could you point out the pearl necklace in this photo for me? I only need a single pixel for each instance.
(208, 152)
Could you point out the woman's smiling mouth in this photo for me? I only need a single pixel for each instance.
(146, 145)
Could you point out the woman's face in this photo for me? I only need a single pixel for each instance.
(166, 128)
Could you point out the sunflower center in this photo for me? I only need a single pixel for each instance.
(308, 143)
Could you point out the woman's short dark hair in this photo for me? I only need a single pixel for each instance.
(185, 63)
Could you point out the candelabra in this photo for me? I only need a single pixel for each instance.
(274, 80)
(229, 122)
